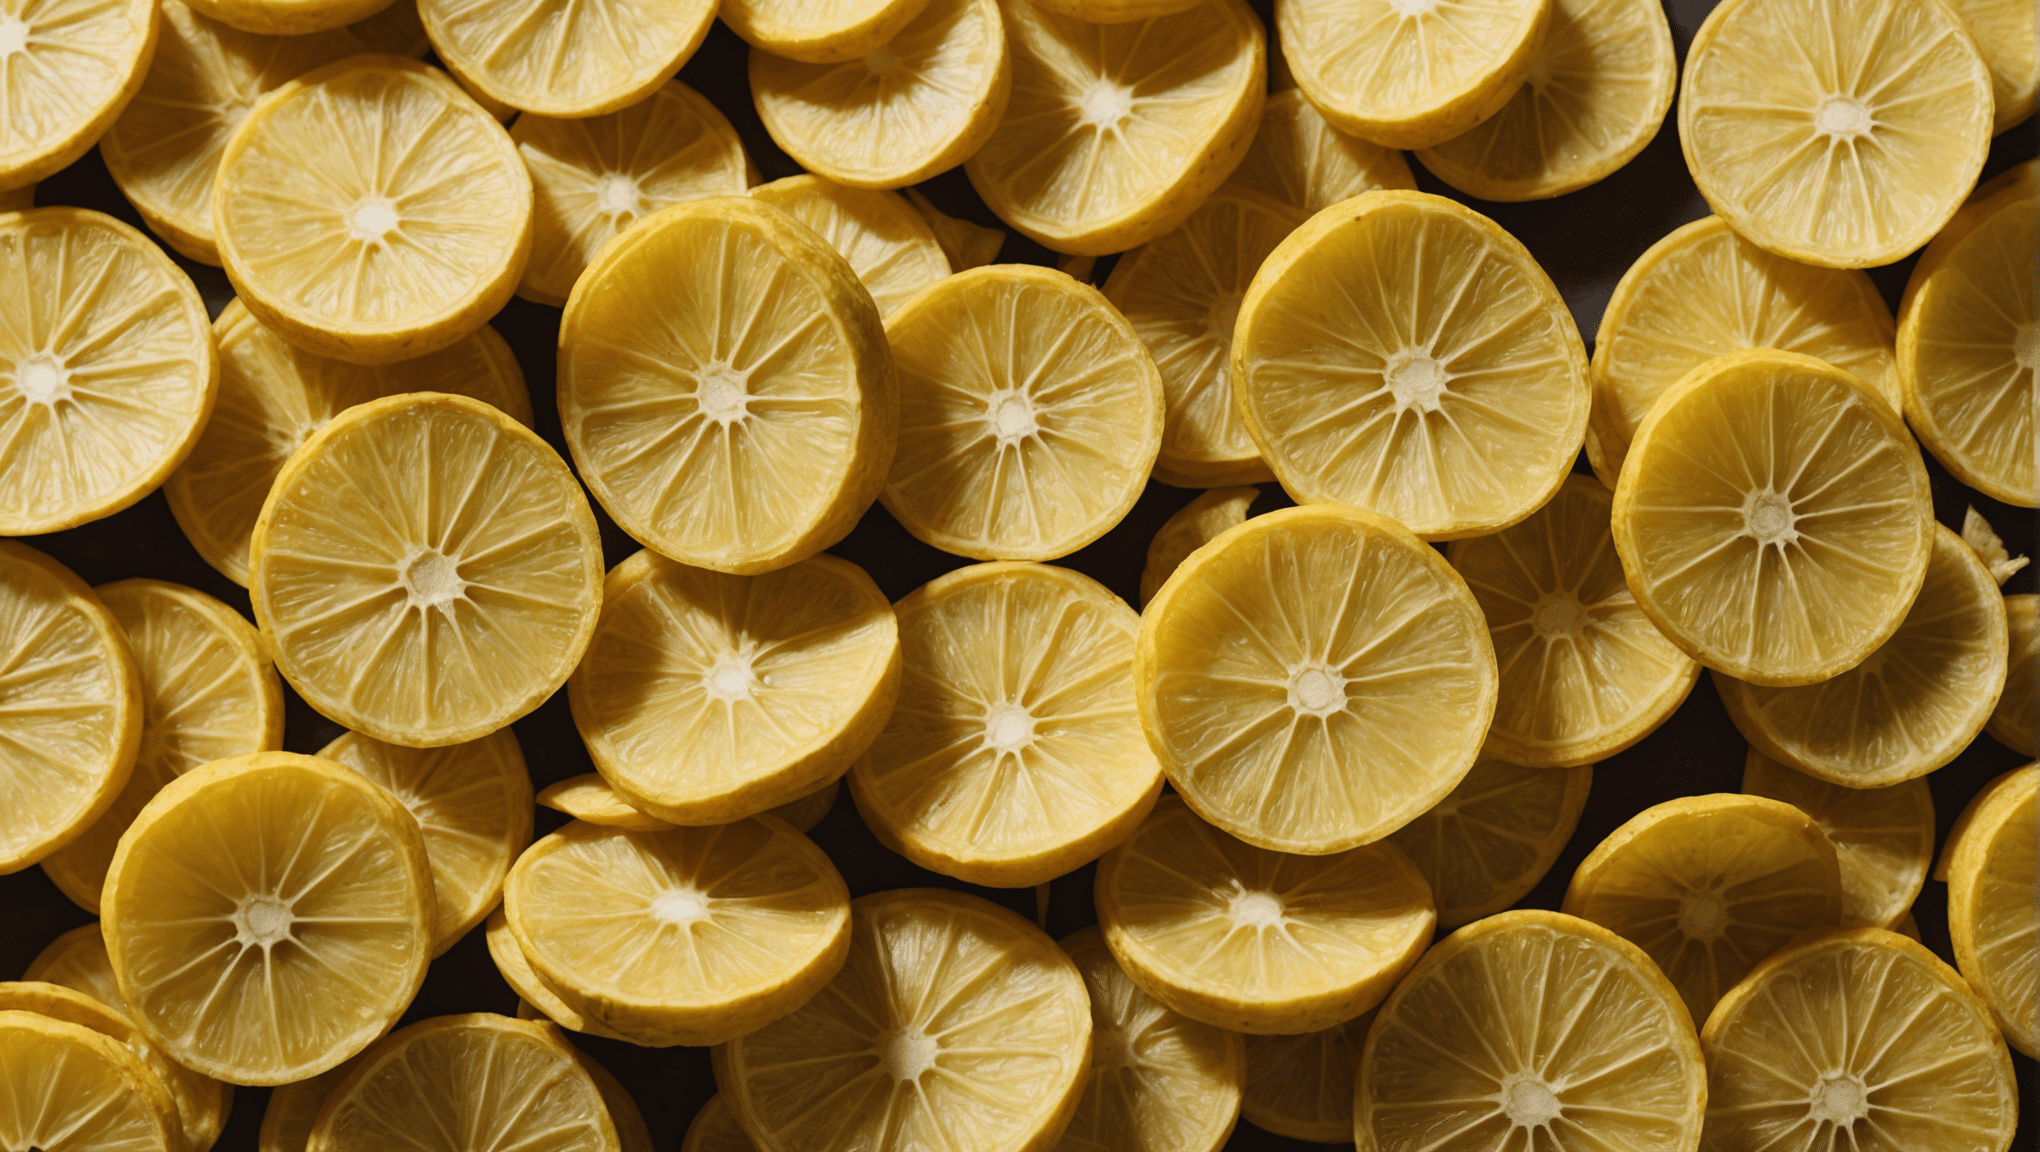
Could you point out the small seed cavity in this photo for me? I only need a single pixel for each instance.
(13, 36)
(909, 1052)
(432, 579)
(720, 393)
(1767, 516)
(1414, 8)
(1008, 728)
(1703, 916)
(1559, 615)
(372, 219)
(1415, 380)
(616, 195)
(1842, 117)
(1316, 690)
(682, 905)
(1254, 908)
(730, 678)
(1529, 1102)
(1106, 105)
(41, 380)
(1839, 1100)
(1012, 416)
(262, 921)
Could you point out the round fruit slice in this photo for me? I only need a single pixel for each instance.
(2003, 36)
(1710, 885)
(1773, 518)
(1193, 526)
(1994, 907)
(197, 1105)
(632, 1134)
(725, 387)
(535, 1000)
(426, 570)
(293, 1108)
(64, 1086)
(72, 65)
(77, 960)
(1030, 414)
(1301, 160)
(578, 61)
(71, 726)
(1601, 1055)
(1406, 304)
(1857, 1038)
(1584, 673)
(1118, 132)
(952, 1015)
(819, 31)
(1969, 344)
(805, 811)
(715, 1129)
(268, 916)
(920, 103)
(890, 247)
(1597, 94)
(107, 372)
(1314, 679)
(706, 697)
(2012, 722)
(1883, 837)
(1852, 149)
(592, 178)
(589, 798)
(207, 692)
(1704, 291)
(1410, 75)
(1489, 842)
(1259, 941)
(272, 398)
(1966, 819)
(472, 803)
(1912, 705)
(967, 245)
(370, 212)
(1160, 1081)
(1302, 1086)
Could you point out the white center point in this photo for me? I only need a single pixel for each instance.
(1839, 1100)
(262, 921)
(882, 61)
(432, 579)
(1414, 7)
(1011, 416)
(371, 219)
(1768, 517)
(1316, 690)
(1559, 614)
(1843, 117)
(2026, 346)
(13, 36)
(1008, 728)
(1254, 909)
(720, 394)
(1416, 381)
(680, 906)
(1106, 105)
(730, 679)
(910, 1052)
(1224, 315)
(41, 380)
(1530, 1102)
(1703, 916)
(616, 195)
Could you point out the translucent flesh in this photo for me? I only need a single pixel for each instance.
(292, 1109)
(1883, 837)
(535, 1000)
(1193, 526)
(715, 1129)
(1302, 1086)
(1306, 163)
(1489, 842)
(879, 233)
(77, 960)
(577, 59)
(2011, 724)
(1367, 56)
(64, 1088)
(590, 798)
(74, 64)
(195, 1105)
(1994, 915)
(2004, 32)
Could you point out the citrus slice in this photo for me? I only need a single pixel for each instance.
(578, 61)
(692, 936)
(1406, 304)
(632, 1133)
(426, 570)
(707, 697)
(472, 1083)
(1492, 839)
(1302, 1086)
(1117, 132)
(535, 1000)
(886, 242)
(593, 177)
(1994, 907)
(954, 1025)
(77, 960)
(819, 31)
(398, 30)
(590, 799)
(1410, 74)
(1192, 527)
(1014, 754)
(1595, 97)
(197, 1105)
(1858, 1038)
(1704, 291)
(1709, 886)
(725, 387)
(967, 245)
(1982, 539)
(2003, 31)
(1966, 819)
(1159, 1080)
(1116, 11)
(64, 1086)
(268, 916)
(1297, 157)
(71, 726)
(370, 212)
(1853, 148)
(472, 803)
(1969, 346)
(1314, 679)
(1773, 518)
(2011, 723)
(715, 1129)
(1883, 837)
(1601, 1055)
(1584, 673)
(207, 692)
(1259, 941)
(72, 65)
(107, 372)
(1030, 414)
(273, 396)
(1912, 705)
(805, 811)
(293, 1108)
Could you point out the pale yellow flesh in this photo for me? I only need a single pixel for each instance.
(1302, 1086)
(64, 1087)
(2012, 722)
(73, 66)
(1994, 910)
(579, 61)
(77, 960)
(715, 1129)
(195, 1105)
(1492, 839)
(293, 1108)
(1192, 527)
(535, 1001)
(1301, 160)
(879, 233)
(2004, 32)
(967, 245)
(1883, 837)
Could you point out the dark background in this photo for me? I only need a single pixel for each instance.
(1584, 240)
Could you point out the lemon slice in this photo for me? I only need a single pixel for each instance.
(921, 102)
(966, 244)
(1259, 941)
(472, 1083)
(1595, 97)
(1709, 886)
(1601, 1055)
(1704, 291)
(1192, 527)
(1883, 837)
(572, 62)
(536, 1001)
(1773, 518)
(805, 811)
(64, 1086)
(268, 916)
(1159, 1080)
(1314, 679)
(472, 803)
(2011, 723)
(370, 212)
(1302, 1086)
(1492, 839)
(1117, 132)
(725, 388)
(1969, 345)
(1982, 539)
(72, 65)
(715, 1129)
(1994, 907)
(77, 960)
(1406, 304)
(593, 177)
(1849, 151)
(2003, 31)
(107, 372)
(197, 1105)
(72, 724)
(1014, 754)
(207, 692)
(1966, 819)
(887, 243)
(1030, 414)
(426, 570)
(1410, 73)
(632, 1133)
(954, 1025)
(1584, 673)
(589, 798)
(1912, 705)
(819, 31)
(272, 397)
(1300, 159)
(293, 1108)
(1857, 1038)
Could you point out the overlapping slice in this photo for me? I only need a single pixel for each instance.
(1883, 837)
(293, 1108)
(72, 65)
(1302, 1086)
(582, 60)
(77, 960)
(819, 31)
(16, 199)
(968, 245)
(1192, 527)
(890, 246)
(2003, 32)
(65, 1086)
(715, 1129)
(2012, 722)
(535, 1000)
(1492, 839)
(1994, 906)
(1300, 159)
